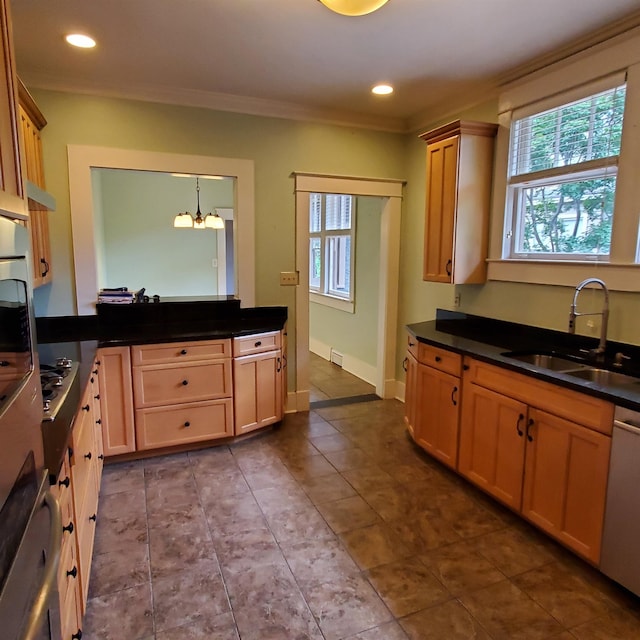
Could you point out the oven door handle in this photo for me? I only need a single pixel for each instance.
(41, 603)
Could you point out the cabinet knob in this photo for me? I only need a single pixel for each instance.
(86, 407)
(46, 267)
(101, 457)
(187, 424)
(412, 344)
(438, 359)
(258, 344)
(518, 429)
(183, 352)
(73, 573)
(93, 517)
(88, 455)
(91, 380)
(454, 399)
(185, 383)
(64, 483)
(98, 363)
(465, 367)
(95, 372)
(96, 397)
(99, 421)
(279, 365)
(529, 426)
(68, 528)
(77, 636)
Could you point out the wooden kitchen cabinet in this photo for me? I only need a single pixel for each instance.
(433, 405)
(492, 443)
(539, 448)
(116, 400)
(183, 393)
(258, 380)
(458, 185)
(12, 201)
(565, 481)
(32, 122)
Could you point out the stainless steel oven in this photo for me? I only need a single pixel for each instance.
(30, 528)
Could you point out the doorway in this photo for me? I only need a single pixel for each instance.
(390, 192)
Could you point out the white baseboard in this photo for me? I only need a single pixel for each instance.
(319, 348)
(400, 390)
(350, 364)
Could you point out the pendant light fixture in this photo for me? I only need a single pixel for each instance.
(354, 7)
(186, 221)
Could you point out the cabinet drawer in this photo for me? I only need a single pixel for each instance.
(566, 403)
(86, 521)
(256, 343)
(157, 385)
(69, 585)
(195, 422)
(412, 345)
(440, 359)
(180, 352)
(82, 472)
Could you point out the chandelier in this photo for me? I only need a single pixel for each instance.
(353, 7)
(186, 220)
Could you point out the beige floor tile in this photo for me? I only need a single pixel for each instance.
(348, 513)
(388, 631)
(327, 488)
(448, 621)
(221, 627)
(374, 545)
(117, 570)
(616, 625)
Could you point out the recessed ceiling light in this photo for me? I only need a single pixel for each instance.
(382, 89)
(80, 40)
(353, 7)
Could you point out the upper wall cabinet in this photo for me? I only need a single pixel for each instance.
(39, 201)
(459, 172)
(11, 188)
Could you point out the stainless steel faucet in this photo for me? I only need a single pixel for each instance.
(599, 352)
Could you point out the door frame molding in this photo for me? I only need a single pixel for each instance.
(391, 193)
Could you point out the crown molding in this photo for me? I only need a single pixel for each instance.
(220, 102)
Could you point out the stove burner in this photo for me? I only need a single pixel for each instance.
(56, 381)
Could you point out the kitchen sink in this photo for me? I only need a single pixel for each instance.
(546, 361)
(605, 377)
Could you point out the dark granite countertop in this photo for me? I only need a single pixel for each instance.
(489, 340)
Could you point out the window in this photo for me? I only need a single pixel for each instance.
(331, 244)
(563, 165)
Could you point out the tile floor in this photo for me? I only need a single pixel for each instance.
(332, 525)
(329, 381)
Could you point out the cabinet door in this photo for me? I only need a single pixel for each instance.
(257, 390)
(565, 481)
(492, 443)
(410, 393)
(436, 428)
(442, 170)
(116, 400)
(40, 247)
(11, 189)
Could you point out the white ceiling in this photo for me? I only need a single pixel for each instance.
(297, 59)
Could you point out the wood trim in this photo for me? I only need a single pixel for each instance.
(26, 101)
(460, 127)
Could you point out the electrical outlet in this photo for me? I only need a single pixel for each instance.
(214, 263)
(456, 299)
(289, 278)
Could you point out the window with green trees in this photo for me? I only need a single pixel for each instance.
(563, 166)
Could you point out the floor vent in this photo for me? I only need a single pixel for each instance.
(336, 357)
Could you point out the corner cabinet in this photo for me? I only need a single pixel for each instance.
(258, 366)
(12, 201)
(433, 400)
(458, 183)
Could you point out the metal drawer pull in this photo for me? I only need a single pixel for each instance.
(183, 352)
(68, 528)
(518, 429)
(46, 267)
(405, 363)
(187, 424)
(448, 267)
(438, 359)
(64, 483)
(279, 365)
(96, 397)
(88, 455)
(95, 372)
(453, 398)
(73, 573)
(412, 344)
(77, 636)
(101, 457)
(98, 421)
(258, 344)
(86, 407)
(185, 383)
(529, 425)
(93, 517)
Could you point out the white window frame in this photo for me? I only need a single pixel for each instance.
(325, 293)
(602, 67)
(518, 183)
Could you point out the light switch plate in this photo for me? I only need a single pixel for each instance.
(289, 278)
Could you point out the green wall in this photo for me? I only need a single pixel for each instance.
(141, 246)
(355, 334)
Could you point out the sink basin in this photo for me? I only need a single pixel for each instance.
(605, 377)
(546, 361)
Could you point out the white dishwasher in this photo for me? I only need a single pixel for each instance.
(620, 556)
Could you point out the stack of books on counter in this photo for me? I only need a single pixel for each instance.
(116, 296)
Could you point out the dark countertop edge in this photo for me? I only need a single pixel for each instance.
(431, 332)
